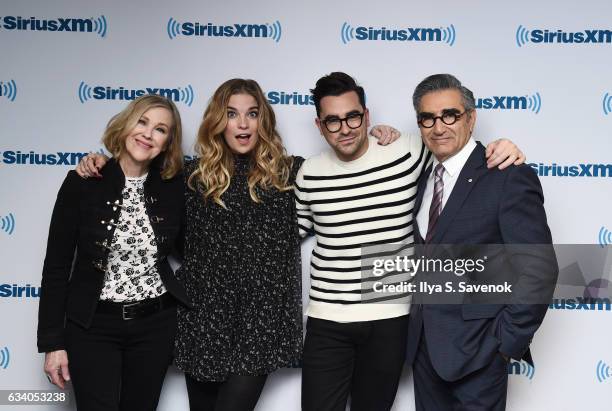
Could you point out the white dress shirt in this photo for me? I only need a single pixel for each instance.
(452, 167)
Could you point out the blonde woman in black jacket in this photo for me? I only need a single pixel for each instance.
(107, 315)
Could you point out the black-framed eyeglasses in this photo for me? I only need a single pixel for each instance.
(353, 121)
(449, 118)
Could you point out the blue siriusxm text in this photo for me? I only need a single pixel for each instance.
(402, 34)
(86, 92)
(122, 93)
(559, 36)
(97, 25)
(234, 30)
(290, 98)
(574, 170)
(176, 28)
(531, 102)
(49, 159)
(19, 291)
(32, 23)
(581, 303)
(407, 34)
(502, 102)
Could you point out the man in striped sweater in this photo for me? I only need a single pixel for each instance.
(356, 194)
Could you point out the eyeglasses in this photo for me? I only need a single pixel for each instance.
(449, 118)
(353, 121)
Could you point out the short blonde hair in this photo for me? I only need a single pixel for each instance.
(118, 128)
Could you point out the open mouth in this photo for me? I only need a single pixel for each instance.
(243, 139)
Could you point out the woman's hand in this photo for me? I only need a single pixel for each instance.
(503, 153)
(56, 367)
(90, 165)
(385, 134)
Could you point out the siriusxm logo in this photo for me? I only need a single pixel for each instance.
(607, 104)
(539, 36)
(5, 358)
(581, 303)
(17, 291)
(521, 368)
(8, 89)
(529, 102)
(290, 98)
(44, 159)
(605, 237)
(408, 34)
(603, 371)
(7, 223)
(265, 30)
(70, 24)
(86, 92)
(576, 170)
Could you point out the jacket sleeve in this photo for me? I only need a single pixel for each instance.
(523, 222)
(179, 244)
(61, 247)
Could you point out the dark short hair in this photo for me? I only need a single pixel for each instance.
(438, 82)
(335, 84)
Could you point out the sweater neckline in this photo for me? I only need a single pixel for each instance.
(242, 163)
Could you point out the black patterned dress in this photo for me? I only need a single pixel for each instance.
(242, 270)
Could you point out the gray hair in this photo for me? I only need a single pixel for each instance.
(438, 82)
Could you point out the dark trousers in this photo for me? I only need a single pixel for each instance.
(118, 364)
(238, 393)
(363, 359)
(482, 390)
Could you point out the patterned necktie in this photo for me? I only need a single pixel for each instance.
(436, 202)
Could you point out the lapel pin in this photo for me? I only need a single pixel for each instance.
(469, 180)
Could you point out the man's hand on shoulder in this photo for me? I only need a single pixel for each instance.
(503, 153)
(91, 164)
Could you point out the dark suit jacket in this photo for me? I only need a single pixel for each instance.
(487, 206)
(78, 245)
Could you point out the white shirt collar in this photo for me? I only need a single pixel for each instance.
(140, 179)
(454, 164)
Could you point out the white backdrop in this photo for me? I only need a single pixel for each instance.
(551, 98)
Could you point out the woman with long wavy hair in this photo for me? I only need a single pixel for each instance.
(242, 254)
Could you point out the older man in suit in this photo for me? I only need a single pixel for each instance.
(460, 352)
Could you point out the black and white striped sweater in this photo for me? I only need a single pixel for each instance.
(349, 205)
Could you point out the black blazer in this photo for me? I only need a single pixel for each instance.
(487, 206)
(80, 234)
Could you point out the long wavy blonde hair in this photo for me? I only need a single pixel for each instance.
(270, 166)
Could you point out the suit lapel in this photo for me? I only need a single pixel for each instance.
(470, 173)
(417, 203)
